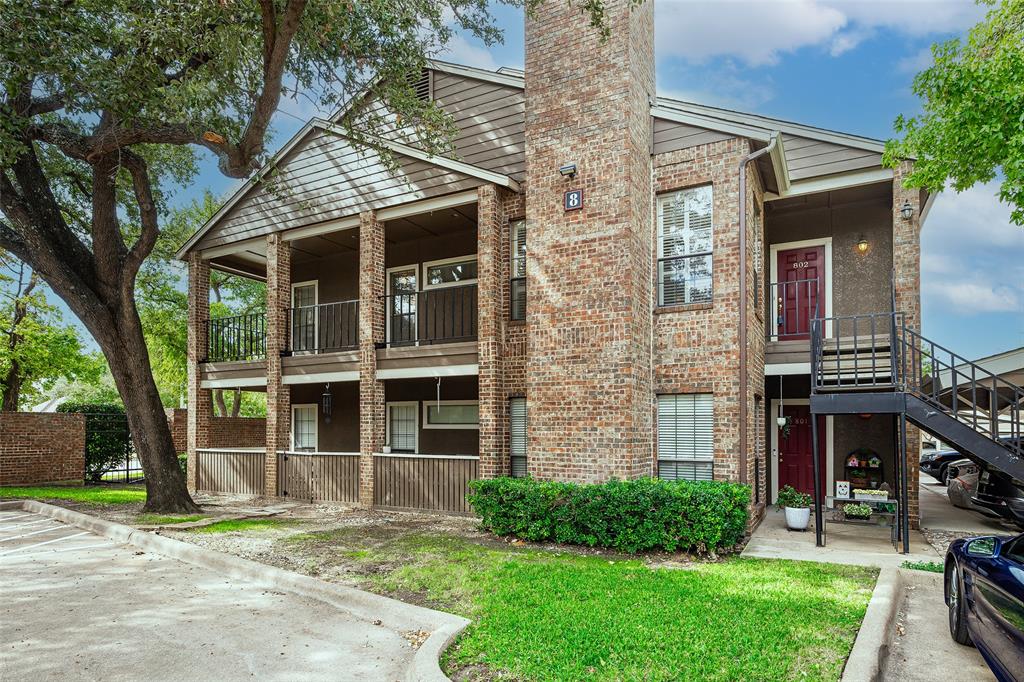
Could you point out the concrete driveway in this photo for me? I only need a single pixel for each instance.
(77, 606)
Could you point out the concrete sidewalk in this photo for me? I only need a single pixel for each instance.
(78, 606)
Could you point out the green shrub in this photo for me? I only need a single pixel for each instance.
(857, 511)
(107, 438)
(790, 497)
(183, 462)
(629, 516)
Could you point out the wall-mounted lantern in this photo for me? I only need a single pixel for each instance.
(568, 170)
(863, 246)
(327, 403)
(907, 211)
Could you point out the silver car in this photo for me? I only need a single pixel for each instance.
(963, 483)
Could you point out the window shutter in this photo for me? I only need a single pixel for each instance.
(517, 286)
(517, 436)
(686, 436)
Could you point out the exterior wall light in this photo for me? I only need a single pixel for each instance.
(568, 170)
(907, 211)
(863, 246)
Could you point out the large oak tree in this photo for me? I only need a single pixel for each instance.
(104, 102)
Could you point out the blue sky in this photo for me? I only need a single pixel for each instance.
(840, 64)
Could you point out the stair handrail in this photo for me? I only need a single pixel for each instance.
(915, 343)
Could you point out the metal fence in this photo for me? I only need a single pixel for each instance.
(110, 455)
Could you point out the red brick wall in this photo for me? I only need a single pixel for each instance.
(588, 271)
(41, 448)
(225, 432)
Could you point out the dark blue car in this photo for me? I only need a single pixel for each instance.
(985, 596)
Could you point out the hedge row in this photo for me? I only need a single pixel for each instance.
(629, 516)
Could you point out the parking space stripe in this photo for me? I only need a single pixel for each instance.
(38, 532)
(27, 523)
(40, 544)
(11, 517)
(78, 547)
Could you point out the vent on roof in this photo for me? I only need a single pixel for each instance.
(422, 84)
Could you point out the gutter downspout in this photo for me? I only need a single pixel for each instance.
(743, 298)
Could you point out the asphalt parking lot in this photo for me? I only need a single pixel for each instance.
(77, 606)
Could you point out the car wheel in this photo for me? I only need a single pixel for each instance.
(957, 607)
(944, 475)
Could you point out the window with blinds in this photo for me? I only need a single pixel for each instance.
(685, 231)
(686, 437)
(402, 427)
(517, 436)
(304, 427)
(517, 285)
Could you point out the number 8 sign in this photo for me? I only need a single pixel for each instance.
(573, 200)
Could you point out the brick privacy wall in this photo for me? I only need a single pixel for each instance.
(225, 432)
(177, 421)
(697, 345)
(588, 274)
(198, 420)
(41, 448)
(279, 403)
(906, 262)
(371, 332)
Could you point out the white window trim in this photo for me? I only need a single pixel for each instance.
(387, 421)
(659, 248)
(773, 266)
(316, 424)
(773, 413)
(316, 318)
(445, 261)
(387, 290)
(428, 425)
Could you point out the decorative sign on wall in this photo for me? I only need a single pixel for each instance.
(573, 200)
(843, 489)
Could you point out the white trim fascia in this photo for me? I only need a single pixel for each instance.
(445, 261)
(446, 427)
(387, 421)
(778, 158)
(320, 377)
(414, 208)
(416, 455)
(690, 118)
(428, 372)
(316, 424)
(789, 127)
(237, 271)
(787, 369)
(233, 248)
(420, 155)
(773, 254)
(833, 182)
(477, 74)
(773, 492)
(233, 383)
(927, 208)
(339, 225)
(250, 183)
(301, 453)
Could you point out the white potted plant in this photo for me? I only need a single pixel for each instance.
(797, 506)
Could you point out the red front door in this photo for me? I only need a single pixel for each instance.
(800, 291)
(796, 455)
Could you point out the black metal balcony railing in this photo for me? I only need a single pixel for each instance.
(442, 315)
(239, 337)
(325, 327)
(791, 308)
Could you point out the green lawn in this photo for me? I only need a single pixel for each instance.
(538, 615)
(91, 494)
(158, 520)
(240, 524)
(929, 566)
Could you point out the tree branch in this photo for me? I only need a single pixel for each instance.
(147, 211)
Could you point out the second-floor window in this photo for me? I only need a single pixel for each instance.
(517, 284)
(685, 231)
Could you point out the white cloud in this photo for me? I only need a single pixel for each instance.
(461, 51)
(721, 86)
(915, 63)
(758, 32)
(971, 255)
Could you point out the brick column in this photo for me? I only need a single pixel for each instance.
(906, 262)
(279, 399)
(371, 332)
(200, 404)
(493, 455)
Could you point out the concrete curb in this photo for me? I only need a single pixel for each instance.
(871, 648)
(393, 614)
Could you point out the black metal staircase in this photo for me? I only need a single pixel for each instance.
(877, 364)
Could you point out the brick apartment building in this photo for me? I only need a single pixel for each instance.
(604, 283)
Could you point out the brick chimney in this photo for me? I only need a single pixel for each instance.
(589, 278)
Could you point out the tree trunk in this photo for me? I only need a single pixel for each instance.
(218, 400)
(236, 407)
(12, 388)
(124, 346)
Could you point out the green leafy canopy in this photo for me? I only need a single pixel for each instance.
(972, 126)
